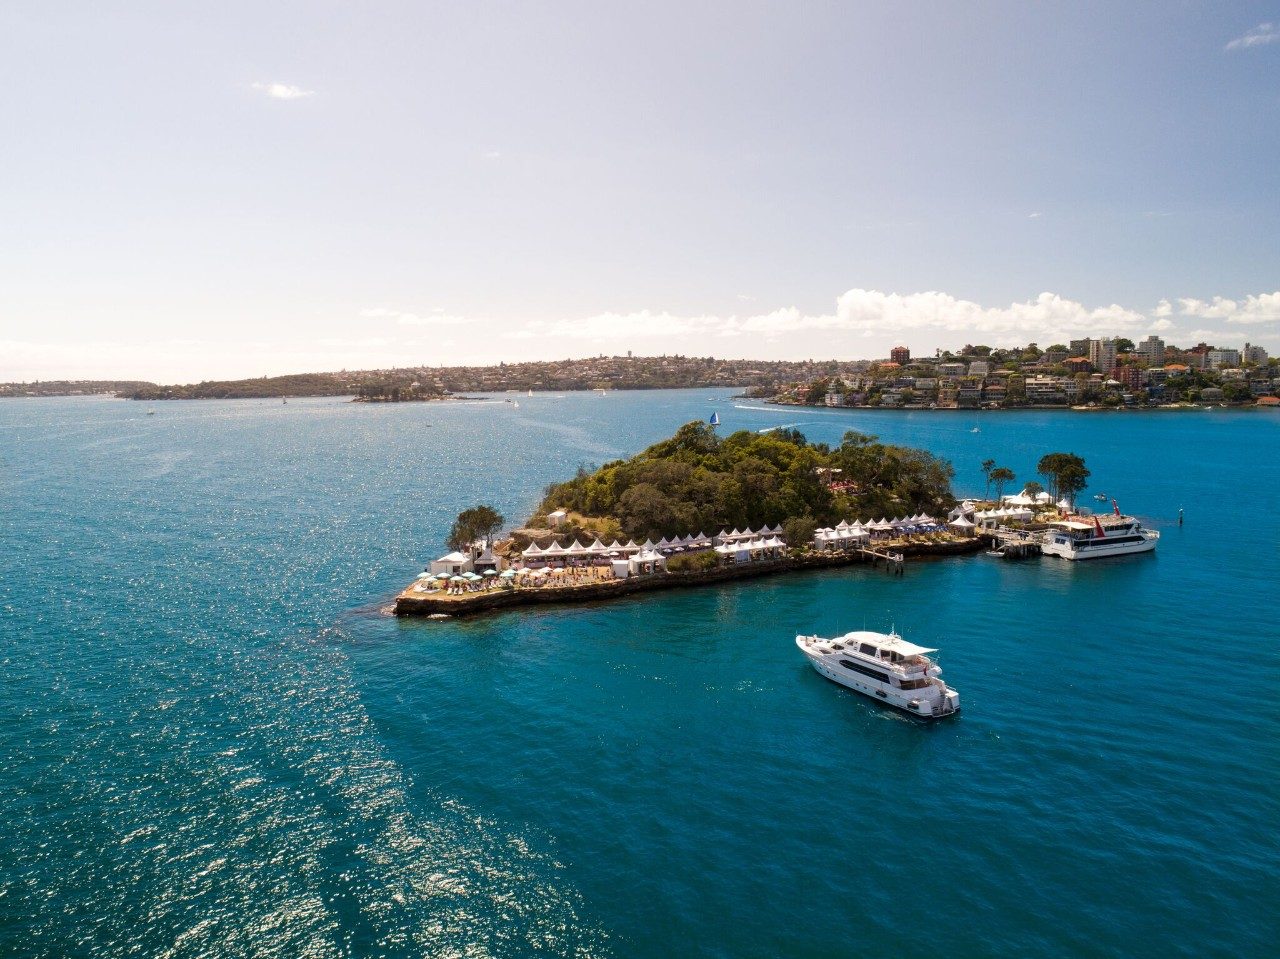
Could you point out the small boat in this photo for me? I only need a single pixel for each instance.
(1100, 497)
(975, 430)
(884, 667)
(151, 412)
(516, 404)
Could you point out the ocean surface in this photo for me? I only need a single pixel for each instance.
(216, 742)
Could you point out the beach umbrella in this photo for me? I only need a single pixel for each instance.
(491, 572)
(457, 579)
(507, 573)
(426, 576)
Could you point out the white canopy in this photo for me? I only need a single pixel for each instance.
(555, 549)
(533, 549)
(597, 546)
(961, 523)
(577, 549)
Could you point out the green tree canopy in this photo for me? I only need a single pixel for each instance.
(697, 481)
(1000, 476)
(478, 522)
(1065, 473)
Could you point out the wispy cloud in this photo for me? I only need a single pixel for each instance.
(436, 317)
(1259, 36)
(282, 91)
(491, 155)
(1034, 216)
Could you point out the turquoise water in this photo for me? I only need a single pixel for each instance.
(216, 743)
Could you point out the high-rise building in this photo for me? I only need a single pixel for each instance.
(1217, 359)
(1079, 347)
(1152, 350)
(1102, 354)
(900, 355)
(1254, 354)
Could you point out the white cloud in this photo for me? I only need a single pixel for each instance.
(1260, 308)
(282, 91)
(1259, 36)
(436, 317)
(933, 317)
(1034, 216)
(491, 155)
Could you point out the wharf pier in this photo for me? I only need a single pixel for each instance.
(1014, 543)
(411, 602)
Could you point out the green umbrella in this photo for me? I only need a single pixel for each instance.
(491, 572)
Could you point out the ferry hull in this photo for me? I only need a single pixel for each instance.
(1097, 552)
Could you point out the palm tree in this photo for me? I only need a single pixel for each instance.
(1001, 475)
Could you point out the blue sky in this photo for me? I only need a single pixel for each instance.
(236, 189)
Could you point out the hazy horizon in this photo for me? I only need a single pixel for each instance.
(238, 191)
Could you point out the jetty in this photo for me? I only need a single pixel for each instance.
(1014, 543)
(415, 601)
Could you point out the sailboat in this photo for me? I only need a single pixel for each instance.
(531, 392)
(715, 419)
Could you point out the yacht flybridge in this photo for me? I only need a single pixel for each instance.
(885, 667)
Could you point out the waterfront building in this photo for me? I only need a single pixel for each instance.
(951, 369)
(1217, 359)
(900, 355)
(1254, 354)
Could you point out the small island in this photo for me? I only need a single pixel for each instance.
(699, 508)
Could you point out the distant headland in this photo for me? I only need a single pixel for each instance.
(1106, 373)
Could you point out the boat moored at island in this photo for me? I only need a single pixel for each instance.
(1077, 538)
(884, 667)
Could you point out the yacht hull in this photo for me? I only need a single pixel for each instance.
(876, 692)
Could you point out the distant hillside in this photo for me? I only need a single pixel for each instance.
(72, 387)
(600, 372)
(297, 384)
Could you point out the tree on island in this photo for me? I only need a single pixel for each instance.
(1033, 489)
(1066, 474)
(987, 467)
(478, 522)
(999, 476)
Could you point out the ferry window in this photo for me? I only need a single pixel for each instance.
(867, 649)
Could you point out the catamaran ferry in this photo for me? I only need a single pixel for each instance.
(885, 667)
(1089, 539)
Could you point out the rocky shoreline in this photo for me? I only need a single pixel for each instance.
(409, 603)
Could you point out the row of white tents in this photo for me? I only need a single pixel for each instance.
(745, 549)
(844, 531)
(701, 541)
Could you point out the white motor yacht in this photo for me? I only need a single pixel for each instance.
(885, 667)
